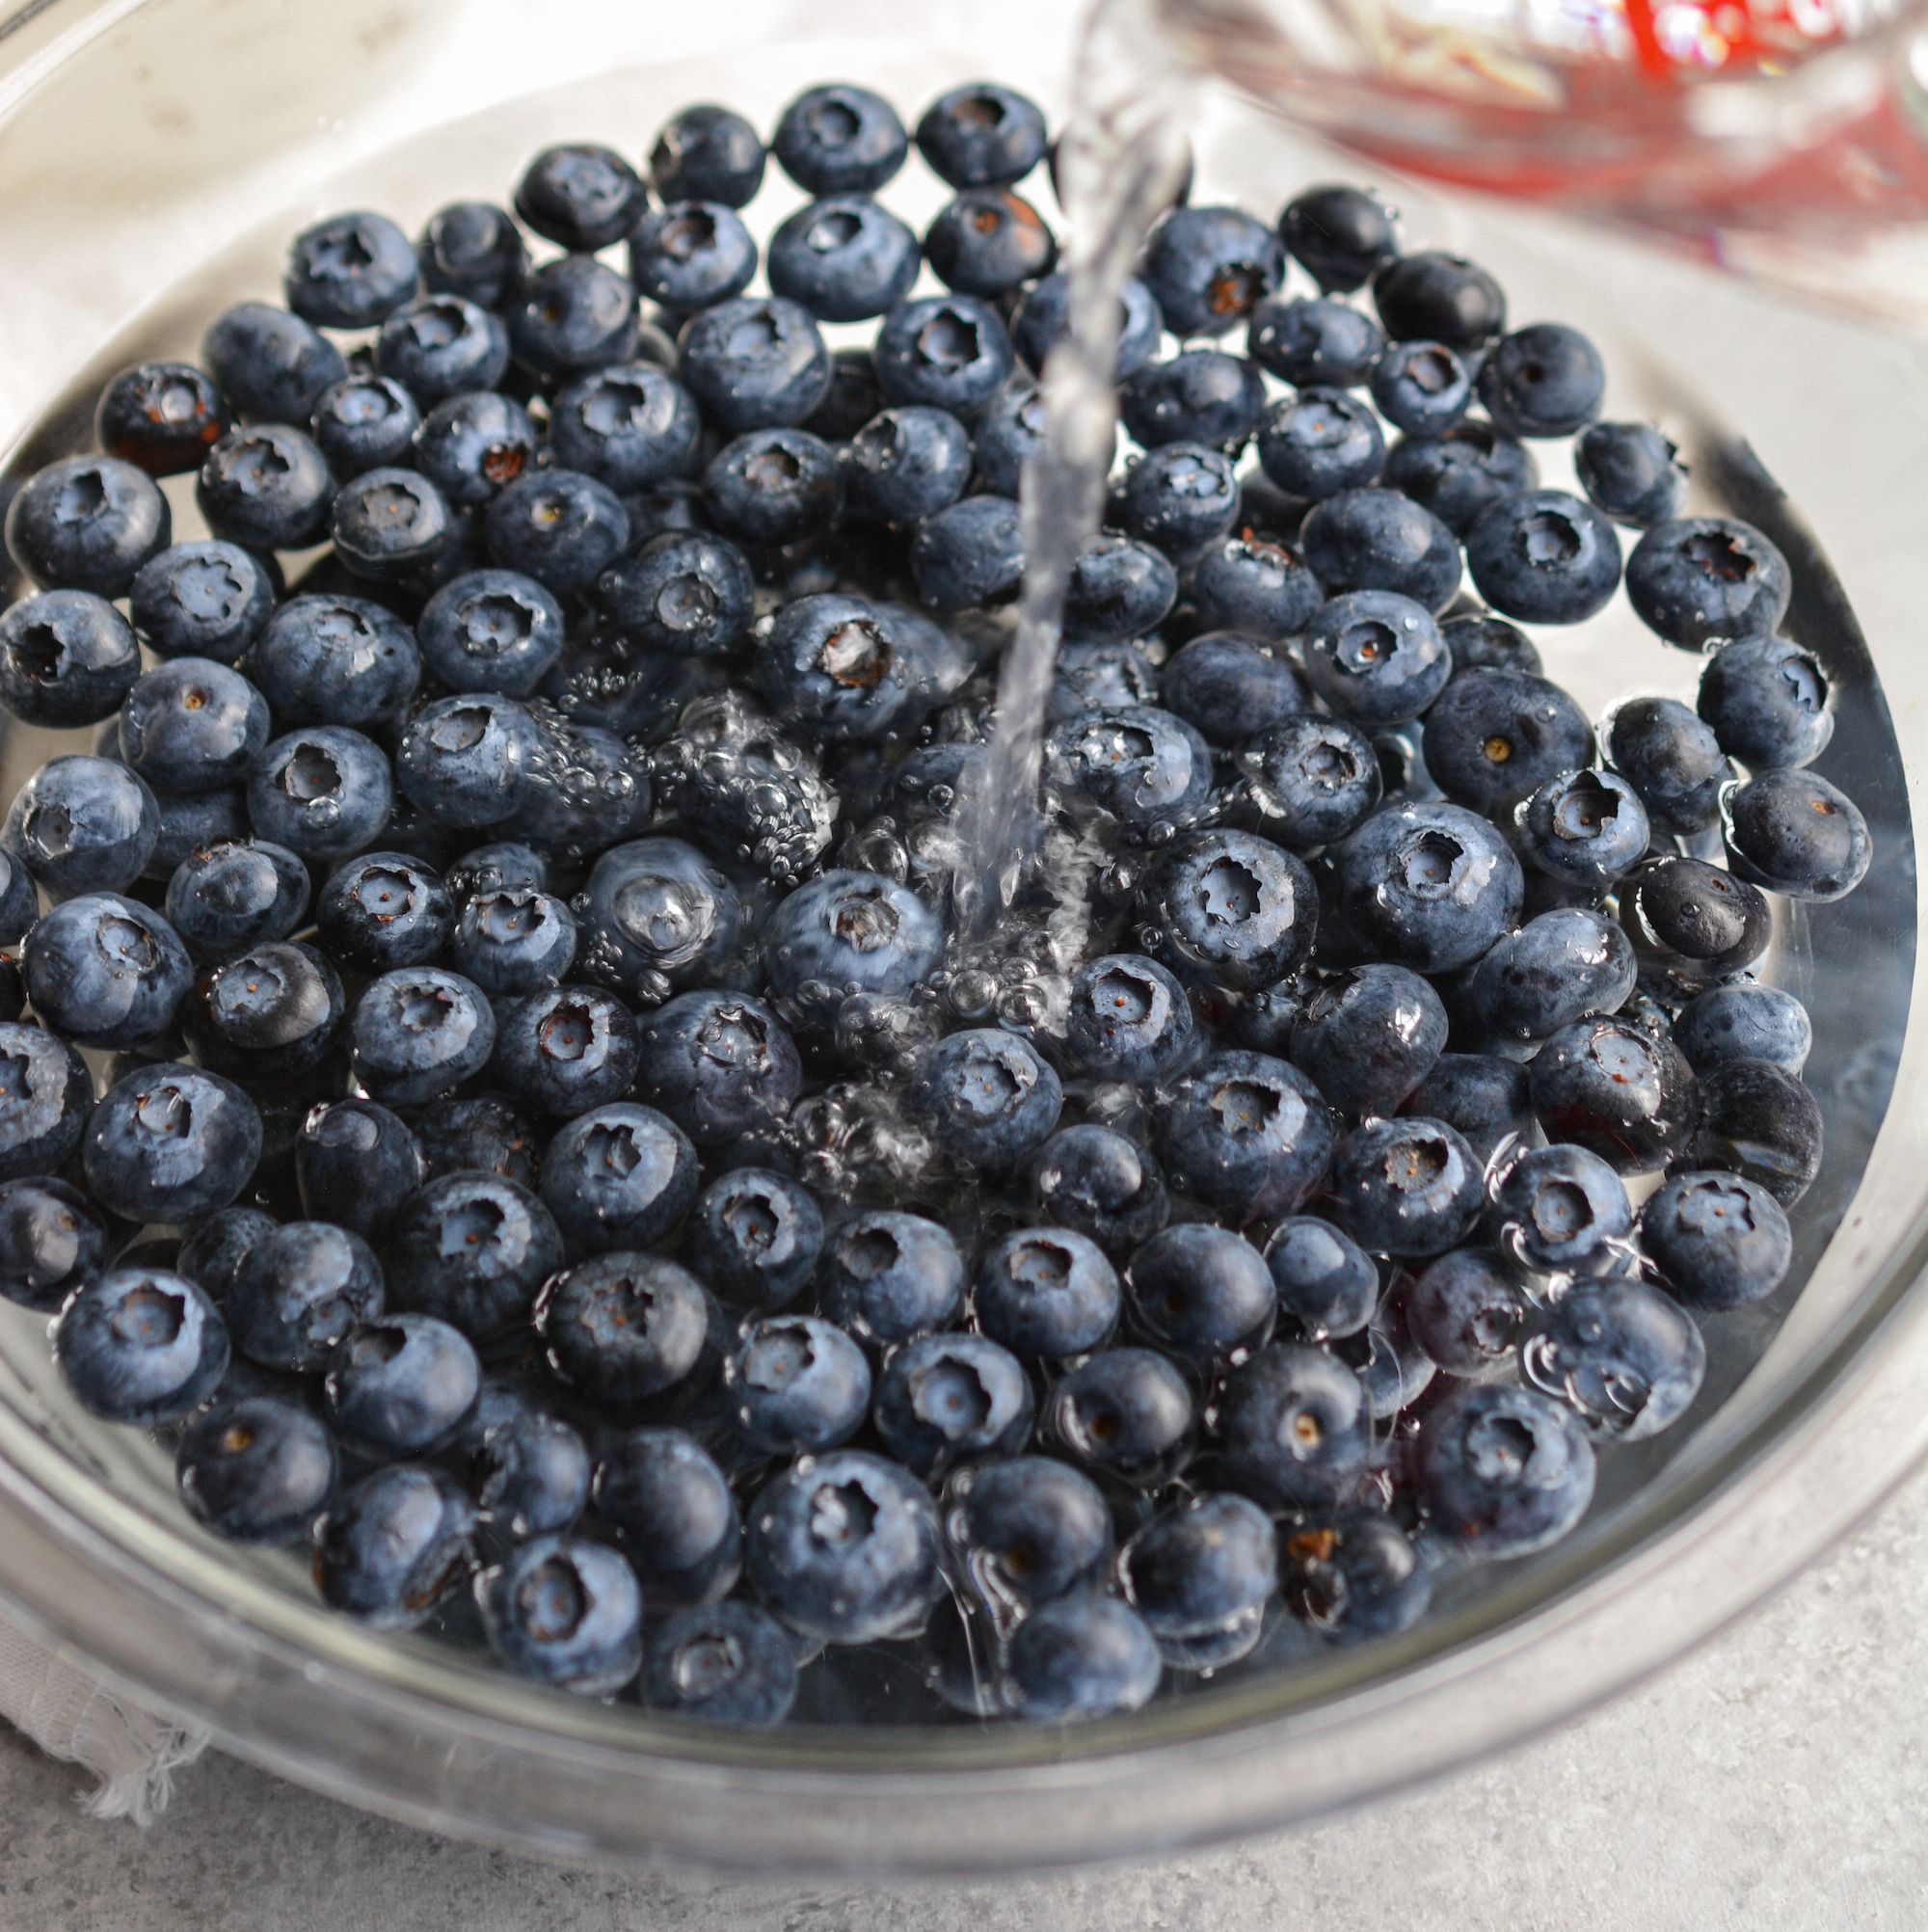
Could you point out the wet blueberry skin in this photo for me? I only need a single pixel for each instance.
(1369, 1036)
(1440, 296)
(1179, 497)
(1229, 909)
(686, 593)
(658, 915)
(67, 657)
(1080, 1656)
(419, 1032)
(267, 487)
(212, 1251)
(1545, 380)
(1201, 1565)
(51, 1240)
(1758, 1120)
(1505, 1470)
(271, 365)
(161, 417)
(1126, 1415)
(1697, 920)
(1293, 1428)
(571, 317)
(1619, 1092)
(202, 600)
(1695, 580)
(618, 1176)
(1129, 1020)
(400, 1386)
(1561, 1209)
(322, 792)
(1326, 1285)
(1794, 833)
(1543, 557)
(1559, 967)
(1253, 583)
(472, 1249)
(1308, 342)
(990, 242)
(565, 1050)
(82, 825)
(268, 1015)
(104, 972)
(1716, 1239)
(847, 928)
(298, 1291)
(395, 1547)
(1199, 395)
(88, 523)
(1318, 443)
(140, 1344)
(1247, 1134)
(355, 1161)
(629, 425)
(725, 1663)
(943, 1399)
(1043, 318)
(1201, 1291)
(1493, 738)
(1376, 539)
(528, 1472)
(1100, 1183)
(887, 1276)
(1468, 1312)
(580, 195)
(1354, 1576)
(1306, 781)
(562, 1610)
(845, 1549)
(1376, 656)
(717, 1063)
(350, 271)
(1631, 470)
(1408, 1187)
(660, 1495)
(987, 1097)
(1671, 759)
(981, 135)
(1460, 473)
(1146, 766)
(256, 1470)
(1429, 886)
(1210, 267)
(839, 138)
(364, 423)
(1767, 701)
(623, 1327)
(796, 1384)
(1623, 1356)
(1046, 1292)
(1744, 1022)
(1584, 828)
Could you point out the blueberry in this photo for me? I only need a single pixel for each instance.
(796, 1384)
(1796, 834)
(707, 153)
(623, 1327)
(51, 1240)
(1201, 1292)
(1376, 656)
(1695, 920)
(1468, 1312)
(717, 1063)
(19, 902)
(773, 486)
(755, 1237)
(355, 1163)
(161, 417)
(1632, 471)
(657, 915)
(1369, 1036)
(1200, 395)
(383, 910)
(1716, 1239)
(1493, 738)
(1100, 1183)
(565, 1049)
(1203, 1566)
(690, 254)
(1429, 886)
(1767, 701)
(201, 600)
(482, 1131)
(267, 1015)
(989, 242)
(1622, 1356)
(1307, 781)
(1208, 268)
(981, 135)
(472, 249)
(1483, 1095)
(573, 317)
(847, 930)
(1010, 434)
(837, 139)
(1324, 1284)
(1254, 582)
(469, 447)
(724, 1663)
(472, 1249)
(1562, 1211)
(660, 1494)
(1083, 1655)
(845, 1549)
(1342, 236)
(104, 972)
(1559, 967)
(350, 271)
(507, 862)
(559, 527)
(1145, 766)
(1379, 540)
(213, 1251)
(947, 352)
(1125, 1413)
(1583, 828)
(1545, 380)
(515, 942)
(1505, 1470)
(1129, 1020)
(689, 594)
(580, 196)
(337, 660)
(1043, 320)
(83, 825)
(140, 1344)
(1407, 1187)
(1294, 1429)
(1046, 1292)
(298, 1291)
(257, 1470)
(630, 426)
(1544, 556)
(986, 1097)
(942, 1400)
(1119, 588)
(419, 1032)
(562, 1610)
(1422, 388)
(527, 1471)
(1744, 1022)
(1460, 472)
(1245, 1134)
(1179, 498)
(1616, 1090)
(1438, 297)
(888, 1277)
(391, 1551)
(1759, 1121)
(272, 367)
(1695, 580)
(267, 487)
(1314, 344)
(1100, 677)
(619, 1176)
(1671, 757)
(755, 363)
(841, 667)
(87, 524)
(400, 1385)
(473, 760)
(908, 464)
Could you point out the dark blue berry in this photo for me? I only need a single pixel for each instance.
(527, 1471)
(1671, 757)
(1631, 470)
(580, 196)
(1145, 766)
(482, 1131)
(400, 1385)
(1468, 1312)
(1101, 1183)
(256, 1470)
(573, 317)
(559, 527)
(1695, 920)
(1504, 1470)
(723, 1663)
(1716, 1240)
(796, 1386)
(707, 153)
(355, 1163)
(266, 1016)
(1209, 268)
(419, 1032)
(1253, 583)
(268, 488)
(1294, 1429)
(561, 1610)
(1307, 781)
(888, 1277)
(619, 1176)
(202, 600)
(395, 1547)
(717, 1063)
(691, 254)
(1616, 1090)
(945, 350)
(104, 972)
(755, 1237)
(945, 1399)
(986, 1097)
(1119, 588)
(213, 1250)
(1625, 1358)
(298, 1291)
(623, 1327)
(472, 249)
(1460, 472)
(1379, 540)
(87, 524)
(383, 910)
(1744, 1022)
(1428, 886)
(661, 1495)
(1584, 828)
(1438, 297)
(1025, 1530)
(140, 1344)
(840, 140)
(1543, 557)
(514, 942)
(566, 1050)
(272, 367)
(1200, 1290)
(350, 271)
(1543, 380)
(1046, 1292)
(471, 760)
(1245, 1134)
(161, 417)
(83, 824)
(1562, 1211)
(1758, 1120)
(364, 423)
(1340, 235)
(1369, 1036)
(908, 464)
(472, 1249)
(51, 1241)
(1559, 967)
(754, 362)
(1767, 701)
(1199, 395)
(1043, 319)
(1081, 1655)
(989, 242)
(1695, 580)
(1314, 344)
(1795, 834)
(1129, 1020)
(1124, 1414)
(847, 930)
(981, 135)
(1376, 656)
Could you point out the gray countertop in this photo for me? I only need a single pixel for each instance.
(1774, 1781)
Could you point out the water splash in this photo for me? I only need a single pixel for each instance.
(1120, 162)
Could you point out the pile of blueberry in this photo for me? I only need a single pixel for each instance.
(547, 1143)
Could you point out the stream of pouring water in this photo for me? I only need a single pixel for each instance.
(1119, 162)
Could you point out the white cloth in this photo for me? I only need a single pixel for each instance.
(131, 1752)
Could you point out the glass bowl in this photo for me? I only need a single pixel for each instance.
(153, 156)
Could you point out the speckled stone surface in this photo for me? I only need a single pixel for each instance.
(1778, 1782)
